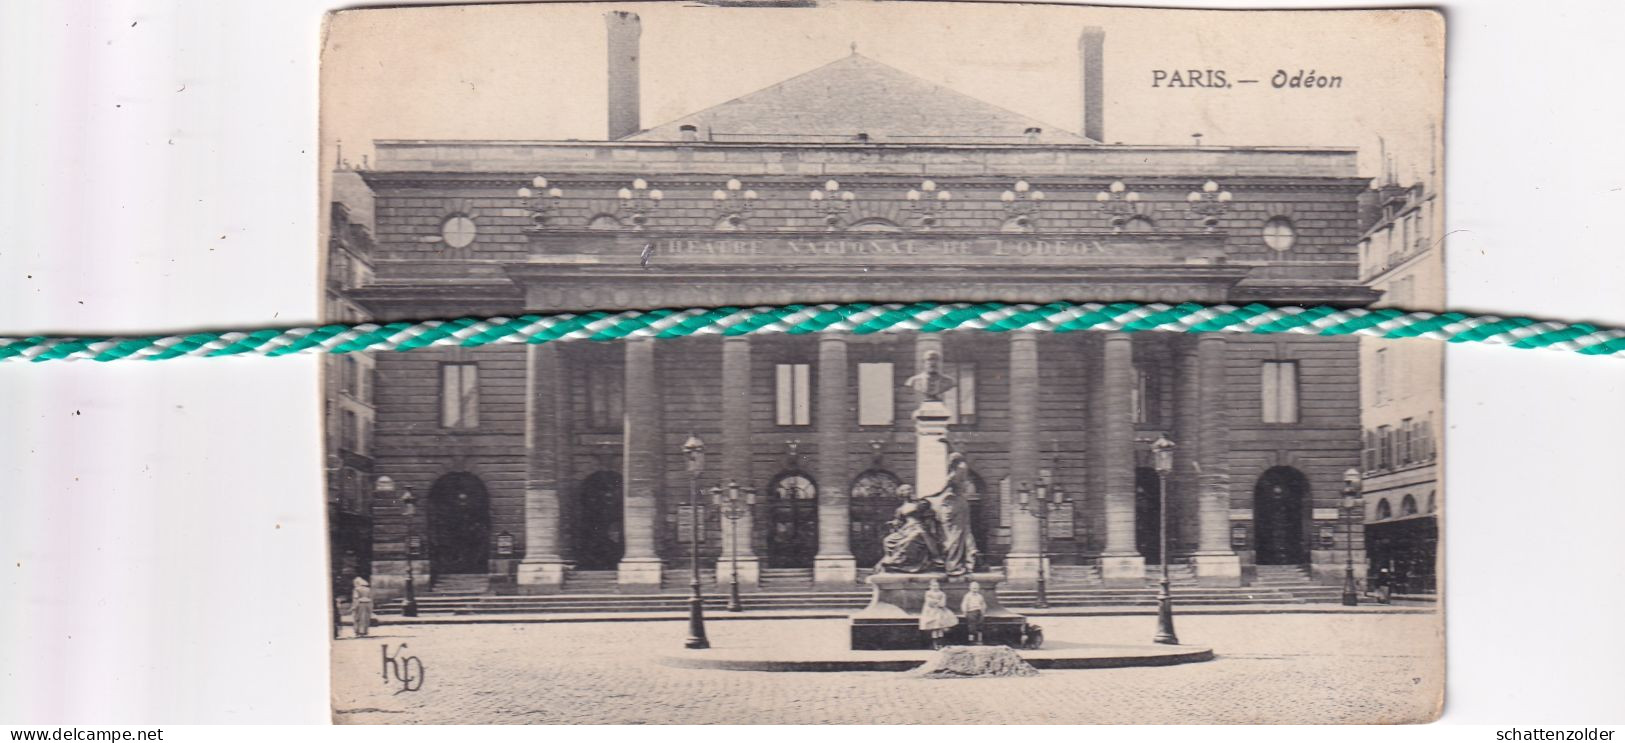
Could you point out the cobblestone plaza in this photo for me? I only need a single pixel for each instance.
(1280, 668)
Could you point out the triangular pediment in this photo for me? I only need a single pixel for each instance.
(856, 96)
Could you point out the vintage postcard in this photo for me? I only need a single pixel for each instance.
(1103, 527)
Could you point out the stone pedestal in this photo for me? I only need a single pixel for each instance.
(1217, 570)
(638, 575)
(892, 619)
(931, 447)
(750, 573)
(540, 576)
(835, 572)
(1021, 570)
(1122, 570)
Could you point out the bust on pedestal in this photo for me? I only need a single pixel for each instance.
(931, 542)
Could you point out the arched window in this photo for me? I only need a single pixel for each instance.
(1385, 510)
(874, 501)
(792, 520)
(1019, 223)
(1139, 224)
(875, 485)
(875, 224)
(1433, 501)
(603, 222)
(1407, 507)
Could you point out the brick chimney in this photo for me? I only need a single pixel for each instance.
(1092, 56)
(624, 31)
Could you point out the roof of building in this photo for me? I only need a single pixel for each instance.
(853, 96)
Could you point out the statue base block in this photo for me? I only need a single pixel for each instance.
(892, 619)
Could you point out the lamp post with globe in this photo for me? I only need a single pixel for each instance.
(1162, 460)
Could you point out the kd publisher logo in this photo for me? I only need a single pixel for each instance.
(405, 669)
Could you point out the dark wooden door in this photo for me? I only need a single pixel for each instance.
(1148, 516)
(598, 538)
(792, 527)
(1278, 517)
(874, 501)
(459, 525)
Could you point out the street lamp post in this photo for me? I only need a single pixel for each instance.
(734, 503)
(694, 451)
(1351, 501)
(1162, 459)
(1039, 506)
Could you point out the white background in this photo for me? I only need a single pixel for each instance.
(161, 525)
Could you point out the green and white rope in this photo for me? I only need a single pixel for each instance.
(856, 319)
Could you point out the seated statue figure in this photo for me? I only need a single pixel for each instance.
(912, 547)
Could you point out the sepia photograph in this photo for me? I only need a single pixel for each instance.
(962, 527)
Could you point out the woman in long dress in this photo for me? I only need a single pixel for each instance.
(935, 617)
(361, 606)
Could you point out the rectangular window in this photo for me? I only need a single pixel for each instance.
(459, 395)
(363, 381)
(606, 401)
(1407, 441)
(961, 399)
(1280, 380)
(349, 429)
(794, 398)
(1385, 447)
(1145, 397)
(1379, 377)
(876, 385)
(1368, 453)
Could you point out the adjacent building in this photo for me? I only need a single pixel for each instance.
(1402, 256)
(561, 466)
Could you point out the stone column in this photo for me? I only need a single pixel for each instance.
(1184, 487)
(1121, 563)
(542, 570)
(1022, 564)
(834, 565)
(1215, 562)
(736, 441)
(930, 428)
(642, 469)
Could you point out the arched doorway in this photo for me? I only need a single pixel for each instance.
(1279, 517)
(792, 521)
(598, 539)
(459, 516)
(874, 500)
(1148, 515)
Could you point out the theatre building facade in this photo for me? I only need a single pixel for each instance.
(562, 466)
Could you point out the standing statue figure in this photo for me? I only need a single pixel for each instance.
(930, 383)
(953, 512)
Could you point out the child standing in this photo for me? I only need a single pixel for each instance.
(973, 606)
(935, 617)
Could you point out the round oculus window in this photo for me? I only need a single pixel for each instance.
(1279, 235)
(458, 231)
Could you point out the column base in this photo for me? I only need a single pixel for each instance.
(638, 575)
(1122, 570)
(1021, 570)
(750, 573)
(835, 572)
(1217, 569)
(388, 579)
(540, 576)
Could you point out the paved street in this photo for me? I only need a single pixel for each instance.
(1325, 668)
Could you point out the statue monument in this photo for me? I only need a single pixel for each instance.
(931, 539)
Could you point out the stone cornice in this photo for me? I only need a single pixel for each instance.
(798, 185)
